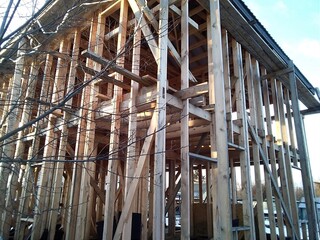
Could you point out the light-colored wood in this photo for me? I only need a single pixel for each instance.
(216, 84)
(193, 91)
(33, 151)
(290, 126)
(116, 67)
(73, 201)
(273, 181)
(20, 147)
(57, 187)
(185, 159)
(144, 27)
(246, 193)
(8, 149)
(151, 196)
(279, 142)
(277, 73)
(189, 20)
(272, 153)
(87, 198)
(111, 179)
(131, 161)
(151, 17)
(288, 163)
(171, 210)
(305, 162)
(145, 204)
(121, 97)
(212, 171)
(260, 127)
(255, 150)
(137, 174)
(42, 198)
(111, 9)
(160, 138)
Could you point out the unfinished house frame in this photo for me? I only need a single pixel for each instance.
(118, 117)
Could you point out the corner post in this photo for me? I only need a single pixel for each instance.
(304, 158)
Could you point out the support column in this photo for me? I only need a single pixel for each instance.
(272, 151)
(28, 180)
(20, 147)
(8, 145)
(281, 161)
(84, 218)
(246, 187)
(57, 183)
(304, 160)
(43, 192)
(111, 179)
(131, 162)
(288, 163)
(222, 215)
(260, 128)
(185, 160)
(160, 138)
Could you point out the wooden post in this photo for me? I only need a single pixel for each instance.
(20, 146)
(145, 203)
(288, 163)
(57, 183)
(144, 156)
(115, 128)
(272, 150)
(3, 96)
(84, 221)
(185, 161)
(49, 149)
(171, 210)
(222, 215)
(256, 118)
(151, 196)
(131, 162)
(281, 160)
(73, 201)
(27, 192)
(246, 193)
(291, 129)
(7, 151)
(304, 159)
(160, 138)
(260, 128)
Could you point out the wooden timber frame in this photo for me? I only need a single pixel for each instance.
(154, 119)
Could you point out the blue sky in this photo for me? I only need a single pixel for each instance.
(295, 26)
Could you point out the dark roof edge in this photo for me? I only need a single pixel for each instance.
(259, 28)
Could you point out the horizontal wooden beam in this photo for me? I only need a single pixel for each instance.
(192, 91)
(111, 65)
(148, 96)
(104, 76)
(199, 112)
(310, 111)
(111, 9)
(202, 157)
(277, 73)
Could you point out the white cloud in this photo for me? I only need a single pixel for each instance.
(280, 6)
(316, 19)
(305, 55)
(310, 48)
